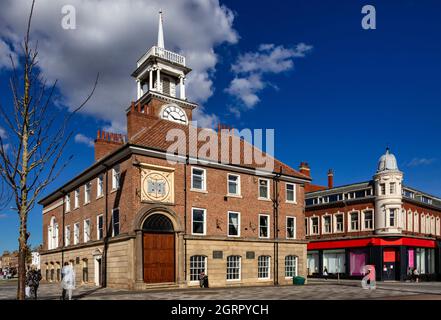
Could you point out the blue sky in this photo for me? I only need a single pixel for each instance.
(339, 104)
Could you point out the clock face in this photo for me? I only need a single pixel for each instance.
(174, 113)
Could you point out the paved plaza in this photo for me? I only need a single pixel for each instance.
(314, 290)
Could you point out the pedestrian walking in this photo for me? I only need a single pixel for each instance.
(68, 281)
(416, 274)
(33, 278)
(325, 273)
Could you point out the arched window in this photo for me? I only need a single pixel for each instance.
(290, 266)
(198, 264)
(432, 225)
(416, 226)
(58, 272)
(263, 267)
(409, 221)
(233, 267)
(85, 271)
(423, 223)
(47, 272)
(158, 222)
(427, 224)
(438, 227)
(52, 273)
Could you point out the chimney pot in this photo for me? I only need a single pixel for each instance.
(330, 179)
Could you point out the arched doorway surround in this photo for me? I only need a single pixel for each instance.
(158, 245)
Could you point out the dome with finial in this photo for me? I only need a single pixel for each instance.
(387, 162)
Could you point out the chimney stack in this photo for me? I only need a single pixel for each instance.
(304, 168)
(330, 179)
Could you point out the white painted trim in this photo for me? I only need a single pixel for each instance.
(295, 193)
(323, 223)
(269, 267)
(52, 207)
(350, 221)
(268, 226)
(335, 221)
(268, 189)
(204, 179)
(98, 225)
(239, 189)
(295, 227)
(363, 219)
(205, 222)
(228, 224)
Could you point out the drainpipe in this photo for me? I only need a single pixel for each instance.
(187, 160)
(64, 227)
(276, 226)
(106, 236)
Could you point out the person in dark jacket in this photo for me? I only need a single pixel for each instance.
(33, 278)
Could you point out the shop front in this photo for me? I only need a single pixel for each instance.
(395, 259)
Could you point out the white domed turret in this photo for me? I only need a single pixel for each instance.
(388, 198)
(387, 162)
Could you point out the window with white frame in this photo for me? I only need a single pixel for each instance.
(290, 266)
(86, 230)
(290, 227)
(198, 221)
(339, 223)
(233, 224)
(327, 227)
(87, 189)
(392, 217)
(392, 188)
(234, 184)
(427, 224)
(290, 192)
(353, 217)
(432, 225)
(76, 233)
(314, 225)
(67, 236)
(409, 221)
(77, 198)
(438, 227)
(198, 179)
(67, 202)
(198, 265)
(100, 186)
(233, 267)
(263, 267)
(115, 222)
(368, 220)
(99, 227)
(263, 188)
(116, 176)
(263, 226)
(416, 226)
(423, 223)
(382, 189)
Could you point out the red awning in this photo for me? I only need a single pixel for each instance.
(340, 244)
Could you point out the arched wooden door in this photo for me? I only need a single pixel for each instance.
(158, 249)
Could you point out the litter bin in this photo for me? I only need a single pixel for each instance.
(299, 281)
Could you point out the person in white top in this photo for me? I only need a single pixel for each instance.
(68, 281)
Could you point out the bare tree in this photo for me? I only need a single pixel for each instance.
(36, 135)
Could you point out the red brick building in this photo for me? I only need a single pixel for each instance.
(152, 212)
(381, 222)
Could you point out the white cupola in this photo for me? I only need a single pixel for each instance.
(388, 196)
(161, 71)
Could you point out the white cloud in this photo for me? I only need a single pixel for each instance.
(416, 162)
(80, 138)
(251, 67)
(5, 56)
(3, 134)
(205, 120)
(110, 37)
(246, 89)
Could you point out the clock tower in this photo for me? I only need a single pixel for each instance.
(160, 77)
